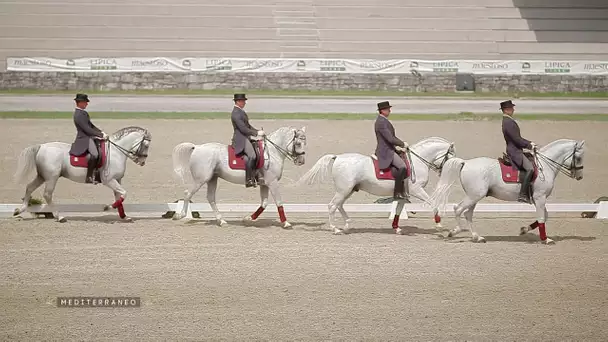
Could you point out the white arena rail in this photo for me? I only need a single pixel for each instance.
(600, 208)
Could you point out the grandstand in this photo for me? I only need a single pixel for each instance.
(383, 29)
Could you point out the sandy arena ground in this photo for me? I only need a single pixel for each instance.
(198, 281)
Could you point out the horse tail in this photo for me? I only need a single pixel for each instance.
(26, 163)
(181, 161)
(449, 174)
(320, 172)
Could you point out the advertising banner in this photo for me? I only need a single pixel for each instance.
(283, 65)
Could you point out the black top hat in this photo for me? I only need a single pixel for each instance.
(81, 97)
(507, 104)
(383, 105)
(239, 97)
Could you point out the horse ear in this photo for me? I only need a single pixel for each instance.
(304, 129)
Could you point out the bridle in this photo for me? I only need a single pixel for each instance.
(134, 156)
(291, 155)
(568, 170)
(431, 164)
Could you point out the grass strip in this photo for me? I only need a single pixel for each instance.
(465, 116)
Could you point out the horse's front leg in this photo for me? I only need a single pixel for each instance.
(274, 189)
(422, 194)
(542, 216)
(264, 190)
(119, 197)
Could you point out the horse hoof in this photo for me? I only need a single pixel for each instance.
(16, 212)
(177, 216)
(478, 239)
(221, 222)
(549, 242)
(248, 218)
(106, 207)
(523, 230)
(439, 226)
(62, 220)
(399, 231)
(286, 225)
(339, 232)
(127, 220)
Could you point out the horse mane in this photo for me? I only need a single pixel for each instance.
(282, 130)
(430, 140)
(130, 129)
(556, 142)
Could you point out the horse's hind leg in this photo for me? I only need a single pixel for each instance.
(49, 188)
(345, 216)
(335, 203)
(468, 214)
(211, 190)
(189, 194)
(459, 209)
(29, 189)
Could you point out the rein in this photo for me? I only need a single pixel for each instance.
(565, 169)
(431, 164)
(291, 155)
(130, 154)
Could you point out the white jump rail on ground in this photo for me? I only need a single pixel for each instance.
(600, 208)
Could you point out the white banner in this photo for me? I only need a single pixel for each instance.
(360, 66)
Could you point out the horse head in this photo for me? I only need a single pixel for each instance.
(290, 142)
(566, 155)
(134, 142)
(435, 151)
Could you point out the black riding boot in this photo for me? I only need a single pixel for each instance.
(524, 192)
(398, 193)
(91, 164)
(249, 173)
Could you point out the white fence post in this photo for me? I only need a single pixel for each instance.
(602, 211)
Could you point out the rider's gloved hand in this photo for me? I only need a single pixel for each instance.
(104, 136)
(261, 133)
(534, 146)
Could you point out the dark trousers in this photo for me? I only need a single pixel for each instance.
(93, 160)
(399, 172)
(250, 157)
(528, 172)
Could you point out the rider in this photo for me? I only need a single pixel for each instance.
(241, 139)
(85, 133)
(515, 146)
(386, 150)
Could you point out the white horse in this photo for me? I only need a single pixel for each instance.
(352, 172)
(52, 161)
(482, 176)
(207, 162)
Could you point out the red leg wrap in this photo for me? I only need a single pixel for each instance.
(257, 213)
(282, 214)
(121, 211)
(437, 218)
(542, 231)
(396, 222)
(534, 225)
(118, 202)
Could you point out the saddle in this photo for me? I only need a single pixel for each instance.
(510, 172)
(387, 174)
(236, 162)
(82, 161)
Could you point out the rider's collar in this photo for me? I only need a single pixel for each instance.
(508, 116)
